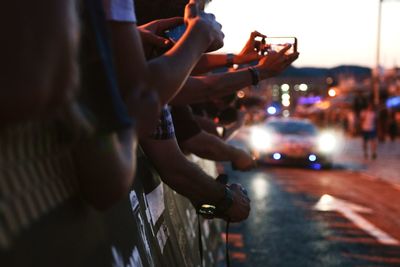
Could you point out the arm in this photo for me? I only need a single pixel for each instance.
(201, 88)
(217, 150)
(36, 78)
(247, 55)
(189, 180)
(105, 166)
(168, 72)
(180, 174)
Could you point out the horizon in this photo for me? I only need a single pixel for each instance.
(328, 31)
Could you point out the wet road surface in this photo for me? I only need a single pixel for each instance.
(357, 223)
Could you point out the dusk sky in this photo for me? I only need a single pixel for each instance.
(329, 33)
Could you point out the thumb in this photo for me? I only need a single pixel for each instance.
(157, 41)
(192, 9)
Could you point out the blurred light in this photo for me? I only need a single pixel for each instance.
(285, 87)
(271, 110)
(393, 102)
(286, 113)
(296, 87)
(260, 186)
(332, 92)
(329, 80)
(235, 66)
(241, 94)
(303, 87)
(220, 130)
(323, 105)
(312, 158)
(285, 103)
(327, 142)
(260, 138)
(285, 96)
(309, 100)
(277, 156)
(316, 166)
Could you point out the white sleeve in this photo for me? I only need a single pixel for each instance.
(120, 10)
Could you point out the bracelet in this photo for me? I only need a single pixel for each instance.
(255, 75)
(229, 60)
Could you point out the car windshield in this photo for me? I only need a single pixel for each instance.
(292, 127)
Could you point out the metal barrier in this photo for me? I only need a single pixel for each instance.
(153, 226)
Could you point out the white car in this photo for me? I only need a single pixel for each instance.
(293, 141)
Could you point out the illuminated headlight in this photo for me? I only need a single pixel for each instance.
(260, 139)
(327, 142)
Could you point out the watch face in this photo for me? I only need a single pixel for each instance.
(208, 210)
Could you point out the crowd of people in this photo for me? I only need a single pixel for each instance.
(88, 72)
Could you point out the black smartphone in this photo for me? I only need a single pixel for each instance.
(176, 33)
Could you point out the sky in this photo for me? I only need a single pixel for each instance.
(329, 32)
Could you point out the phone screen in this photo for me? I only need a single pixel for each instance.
(278, 43)
(176, 33)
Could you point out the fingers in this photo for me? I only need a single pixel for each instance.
(284, 49)
(169, 23)
(255, 34)
(192, 9)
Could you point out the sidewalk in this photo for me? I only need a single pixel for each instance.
(386, 166)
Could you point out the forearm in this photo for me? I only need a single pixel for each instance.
(199, 89)
(173, 68)
(216, 149)
(166, 73)
(208, 62)
(106, 166)
(180, 174)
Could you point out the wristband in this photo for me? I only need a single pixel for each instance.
(255, 75)
(229, 60)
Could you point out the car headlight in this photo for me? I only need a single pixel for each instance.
(260, 139)
(327, 142)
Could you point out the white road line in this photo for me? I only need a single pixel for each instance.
(349, 210)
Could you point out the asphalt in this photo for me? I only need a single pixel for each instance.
(385, 167)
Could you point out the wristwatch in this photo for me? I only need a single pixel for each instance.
(229, 60)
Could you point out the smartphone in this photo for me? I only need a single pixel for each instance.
(176, 33)
(263, 45)
(278, 43)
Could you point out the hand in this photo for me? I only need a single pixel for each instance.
(195, 17)
(276, 62)
(240, 208)
(242, 161)
(152, 34)
(248, 53)
(144, 107)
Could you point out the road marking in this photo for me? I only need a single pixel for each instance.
(349, 210)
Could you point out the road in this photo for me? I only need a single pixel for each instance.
(303, 217)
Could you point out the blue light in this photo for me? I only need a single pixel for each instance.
(316, 166)
(277, 156)
(271, 110)
(393, 102)
(312, 158)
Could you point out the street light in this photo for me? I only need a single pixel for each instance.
(378, 50)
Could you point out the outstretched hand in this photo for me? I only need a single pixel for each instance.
(276, 62)
(248, 53)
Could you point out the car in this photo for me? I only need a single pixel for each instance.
(292, 141)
